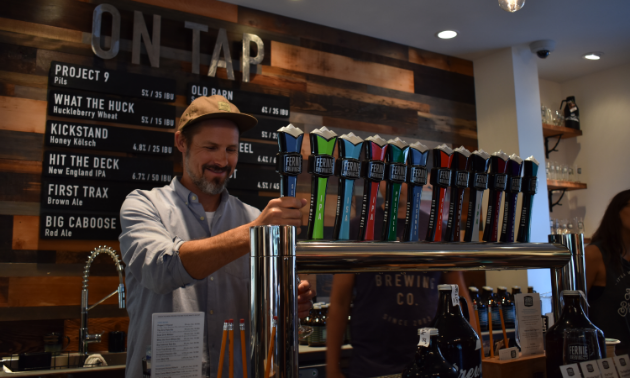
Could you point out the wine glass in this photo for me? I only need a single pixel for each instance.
(303, 331)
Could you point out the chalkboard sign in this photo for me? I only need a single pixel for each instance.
(73, 76)
(86, 195)
(76, 225)
(108, 138)
(257, 153)
(266, 129)
(82, 166)
(73, 104)
(254, 177)
(247, 102)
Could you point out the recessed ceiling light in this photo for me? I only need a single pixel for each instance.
(593, 56)
(447, 34)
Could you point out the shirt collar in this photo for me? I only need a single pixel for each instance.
(189, 197)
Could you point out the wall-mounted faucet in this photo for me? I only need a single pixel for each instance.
(84, 337)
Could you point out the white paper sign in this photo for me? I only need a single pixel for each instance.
(177, 344)
(529, 322)
(508, 354)
(455, 295)
(623, 365)
(590, 369)
(607, 368)
(570, 371)
(425, 336)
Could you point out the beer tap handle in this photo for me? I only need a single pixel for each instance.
(321, 165)
(373, 170)
(348, 168)
(440, 180)
(478, 183)
(498, 184)
(417, 175)
(395, 176)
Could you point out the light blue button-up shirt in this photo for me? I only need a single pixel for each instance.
(154, 226)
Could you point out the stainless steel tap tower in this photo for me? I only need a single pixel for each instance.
(277, 258)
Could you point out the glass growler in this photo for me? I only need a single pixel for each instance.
(491, 301)
(318, 337)
(571, 113)
(507, 306)
(457, 340)
(308, 321)
(573, 338)
(429, 361)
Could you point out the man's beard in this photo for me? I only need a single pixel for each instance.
(213, 187)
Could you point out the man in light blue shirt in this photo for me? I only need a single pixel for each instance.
(186, 245)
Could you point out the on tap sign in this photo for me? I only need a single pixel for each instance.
(152, 43)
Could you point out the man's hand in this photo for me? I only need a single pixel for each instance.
(283, 211)
(305, 297)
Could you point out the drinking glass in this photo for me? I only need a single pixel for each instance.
(571, 174)
(552, 224)
(578, 172)
(543, 113)
(565, 172)
(579, 221)
(558, 119)
(580, 344)
(303, 331)
(552, 170)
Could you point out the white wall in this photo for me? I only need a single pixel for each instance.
(603, 151)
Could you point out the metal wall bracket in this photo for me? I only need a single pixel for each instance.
(557, 203)
(547, 150)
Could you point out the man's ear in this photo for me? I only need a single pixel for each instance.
(180, 142)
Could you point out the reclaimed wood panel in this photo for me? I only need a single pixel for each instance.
(58, 291)
(19, 114)
(21, 166)
(95, 325)
(206, 8)
(26, 336)
(39, 30)
(324, 90)
(25, 187)
(293, 27)
(16, 78)
(443, 62)
(21, 146)
(17, 57)
(26, 236)
(300, 59)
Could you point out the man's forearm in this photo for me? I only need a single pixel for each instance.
(204, 257)
(336, 324)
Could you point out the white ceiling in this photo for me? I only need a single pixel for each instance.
(577, 26)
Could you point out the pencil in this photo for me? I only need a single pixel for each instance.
(505, 339)
(243, 348)
(231, 333)
(273, 338)
(476, 309)
(490, 326)
(222, 354)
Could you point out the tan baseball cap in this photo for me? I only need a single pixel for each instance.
(215, 107)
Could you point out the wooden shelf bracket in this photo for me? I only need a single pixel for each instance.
(557, 203)
(547, 150)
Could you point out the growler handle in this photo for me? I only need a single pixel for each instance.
(563, 101)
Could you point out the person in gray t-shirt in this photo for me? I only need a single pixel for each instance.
(186, 245)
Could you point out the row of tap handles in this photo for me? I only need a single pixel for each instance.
(397, 162)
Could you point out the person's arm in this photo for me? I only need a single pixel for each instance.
(337, 321)
(204, 257)
(163, 263)
(595, 267)
(457, 278)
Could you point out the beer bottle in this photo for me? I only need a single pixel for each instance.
(530, 289)
(474, 294)
(308, 321)
(573, 338)
(457, 340)
(318, 337)
(488, 298)
(515, 290)
(509, 310)
(429, 361)
(507, 306)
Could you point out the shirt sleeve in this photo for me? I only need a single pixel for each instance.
(148, 249)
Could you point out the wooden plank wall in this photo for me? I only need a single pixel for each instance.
(343, 80)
